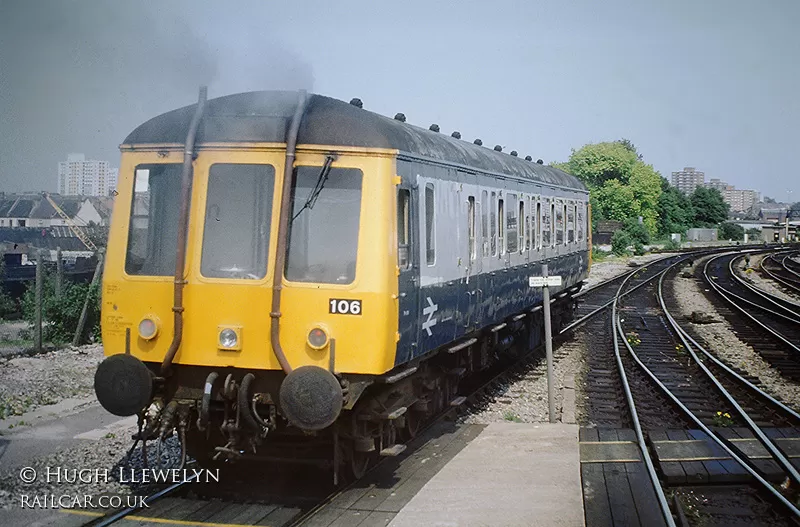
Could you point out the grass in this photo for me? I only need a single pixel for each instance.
(17, 343)
(508, 415)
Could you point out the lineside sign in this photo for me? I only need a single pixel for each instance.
(541, 281)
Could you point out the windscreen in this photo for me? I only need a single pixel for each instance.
(323, 225)
(153, 231)
(237, 221)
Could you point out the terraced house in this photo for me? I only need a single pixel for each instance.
(33, 210)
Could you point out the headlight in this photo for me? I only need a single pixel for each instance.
(229, 339)
(148, 328)
(317, 338)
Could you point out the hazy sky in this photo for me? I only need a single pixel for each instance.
(712, 84)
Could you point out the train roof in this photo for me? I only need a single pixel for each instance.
(264, 116)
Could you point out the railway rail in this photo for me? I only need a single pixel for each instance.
(759, 296)
(784, 269)
(697, 384)
(591, 302)
(594, 310)
(772, 331)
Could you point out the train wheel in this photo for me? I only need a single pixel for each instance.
(359, 463)
(413, 420)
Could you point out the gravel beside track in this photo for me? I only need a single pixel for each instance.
(524, 398)
(764, 283)
(723, 342)
(613, 266)
(30, 382)
(96, 454)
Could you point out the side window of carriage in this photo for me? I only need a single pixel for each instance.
(403, 229)
(430, 225)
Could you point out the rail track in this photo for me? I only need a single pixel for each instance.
(183, 501)
(757, 295)
(608, 407)
(784, 269)
(700, 388)
(773, 331)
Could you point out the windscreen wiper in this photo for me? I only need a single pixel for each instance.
(321, 179)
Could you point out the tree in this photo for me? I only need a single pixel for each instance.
(630, 146)
(615, 201)
(621, 184)
(709, 207)
(731, 231)
(7, 304)
(637, 231)
(794, 211)
(645, 183)
(597, 163)
(767, 199)
(675, 211)
(620, 243)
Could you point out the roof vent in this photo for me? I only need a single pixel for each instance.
(498, 148)
(514, 153)
(357, 102)
(400, 117)
(478, 142)
(457, 135)
(528, 158)
(434, 127)
(540, 161)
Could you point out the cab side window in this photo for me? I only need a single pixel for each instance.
(403, 229)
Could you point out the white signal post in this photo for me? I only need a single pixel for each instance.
(546, 282)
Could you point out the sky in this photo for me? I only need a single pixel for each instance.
(713, 84)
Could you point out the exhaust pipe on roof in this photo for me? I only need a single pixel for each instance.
(283, 228)
(183, 224)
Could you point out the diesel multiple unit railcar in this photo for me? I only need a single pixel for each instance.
(289, 274)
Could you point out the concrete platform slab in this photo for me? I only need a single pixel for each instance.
(511, 475)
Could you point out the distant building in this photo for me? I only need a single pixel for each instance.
(775, 214)
(718, 185)
(701, 235)
(688, 179)
(78, 176)
(740, 200)
(33, 210)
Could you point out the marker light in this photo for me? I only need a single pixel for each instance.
(148, 328)
(228, 339)
(317, 338)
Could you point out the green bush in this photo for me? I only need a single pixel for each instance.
(637, 231)
(753, 235)
(7, 304)
(620, 243)
(731, 231)
(61, 315)
(598, 255)
(672, 245)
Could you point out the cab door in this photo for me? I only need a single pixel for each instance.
(408, 270)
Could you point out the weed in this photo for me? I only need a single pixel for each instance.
(508, 415)
(633, 338)
(722, 419)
